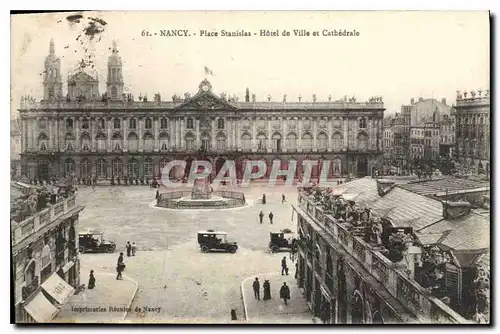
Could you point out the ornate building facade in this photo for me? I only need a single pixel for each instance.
(111, 135)
(45, 262)
(472, 118)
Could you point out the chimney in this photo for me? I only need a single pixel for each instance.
(453, 210)
(443, 100)
(412, 101)
(384, 186)
(247, 95)
(420, 99)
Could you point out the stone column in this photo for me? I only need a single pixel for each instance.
(236, 133)
(269, 134)
(284, 129)
(229, 128)
(315, 133)
(346, 132)
(329, 133)
(214, 125)
(125, 135)
(30, 130)
(299, 134)
(140, 124)
(50, 142)
(109, 146)
(182, 127)
(93, 141)
(254, 135)
(77, 144)
(156, 146)
(56, 134)
(198, 135)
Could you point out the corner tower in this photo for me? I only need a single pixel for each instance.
(114, 83)
(52, 83)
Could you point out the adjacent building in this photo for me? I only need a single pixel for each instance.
(417, 143)
(397, 256)
(111, 135)
(401, 130)
(472, 130)
(447, 136)
(45, 263)
(389, 151)
(15, 147)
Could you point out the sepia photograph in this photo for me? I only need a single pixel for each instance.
(250, 167)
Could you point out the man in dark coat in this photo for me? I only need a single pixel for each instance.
(261, 216)
(120, 266)
(264, 199)
(129, 248)
(267, 289)
(283, 199)
(91, 284)
(284, 269)
(157, 194)
(256, 288)
(271, 217)
(285, 293)
(296, 270)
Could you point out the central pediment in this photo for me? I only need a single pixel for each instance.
(205, 100)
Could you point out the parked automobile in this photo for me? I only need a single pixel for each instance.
(212, 240)
(93, 241)
(280, 240)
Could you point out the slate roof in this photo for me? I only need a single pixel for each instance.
(363, 191)
(431, 187)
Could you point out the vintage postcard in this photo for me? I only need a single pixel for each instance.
(250, 167)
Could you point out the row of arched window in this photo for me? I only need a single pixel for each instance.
(117, 168)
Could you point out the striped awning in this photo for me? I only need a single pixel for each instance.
(40, 309)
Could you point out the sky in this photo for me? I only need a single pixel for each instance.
(397, 55)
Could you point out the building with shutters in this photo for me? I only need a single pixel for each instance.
(113, 135)
(472, 127)
(45, 264)
(396, 256)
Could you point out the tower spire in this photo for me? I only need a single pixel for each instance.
(115, 49)
(52, 49)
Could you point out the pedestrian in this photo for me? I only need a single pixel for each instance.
(283, 266)
(256, 288)
(283, 199)
(267, 290)
(120, 266)
(134, 248)
(296, 270)
(157, 194)
(91, 284)
(261, 216)
(285, 293)
(233, 314)
(271, 217)
(129, 248)
(263, 198)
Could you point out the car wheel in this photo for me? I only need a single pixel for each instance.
(204, 249)
(111, 249)
(232, 250)
(81, 249)
(275, 249)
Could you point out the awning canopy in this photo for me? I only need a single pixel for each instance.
(41, 309)
(58, 289)
(67, 266)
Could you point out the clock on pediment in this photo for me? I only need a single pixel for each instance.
(205, 86)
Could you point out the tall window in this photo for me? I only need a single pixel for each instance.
(101, 124)
(101, 142)
(206, 142)
(362, 123)
(43, 141)
(131, 123)
(114, 92)
(291, 142)
(163, 163)
(221, 142)
(148, 142)
(117, 167)
(307, 142)
(276, 141)
(190, 145)
(69, 142)
(133, 142)
(69, 124)
(149, 123)
(220, 123)
(102, 168)
(190, 123)
(85, 138)
(362, 141)
(322, 141)
(163, 123)
(148, 167)
(69, 166)
(117, 142)
(261, 142)
(133, 168)
(246, 140)
(42, 124)
(117, 123)
(85, 124)
(85, 168)
(163, 141)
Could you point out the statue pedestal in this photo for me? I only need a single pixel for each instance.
(201, 190)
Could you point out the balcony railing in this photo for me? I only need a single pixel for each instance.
(43, 218)
(395, 280)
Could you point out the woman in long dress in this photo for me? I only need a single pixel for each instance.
(91, 284)
(267, 290)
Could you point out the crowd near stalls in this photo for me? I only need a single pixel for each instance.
(436, 269)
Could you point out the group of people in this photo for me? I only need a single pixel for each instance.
(131, 248)
(283, 198)
(131, 180)
(284, 290)
(261, 217)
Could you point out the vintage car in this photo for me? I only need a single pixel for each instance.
(93, 241)
(212, 240)
(280, 240)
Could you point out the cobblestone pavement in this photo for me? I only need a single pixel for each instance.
(111, 296)
(274, 310)
(171, 271)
